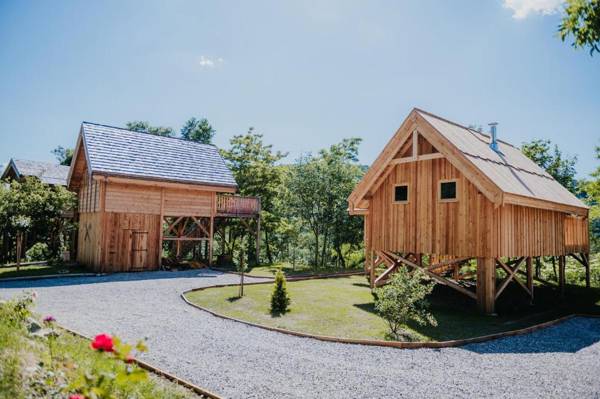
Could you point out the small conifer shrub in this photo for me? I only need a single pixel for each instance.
(280, 299)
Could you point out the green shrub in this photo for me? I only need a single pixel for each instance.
(403, 299)
(280, 299)
(39, 251)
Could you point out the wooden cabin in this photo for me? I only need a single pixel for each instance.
(139, 192)
(49, 173)
(440, 195)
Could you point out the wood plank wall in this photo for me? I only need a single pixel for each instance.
(470, 226)
(120, 223)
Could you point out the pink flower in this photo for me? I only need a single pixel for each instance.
(129, 359)
(103, 342)
(76, 396)
(49, 319)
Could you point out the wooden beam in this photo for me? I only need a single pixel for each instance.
(447, 263)
(511, 276)
(529, 270)
(166, 184)
(434, 276)
(561, 275)
(586, 258)
(516, 199)
(161, 226)
(425, 157)
(486, 285)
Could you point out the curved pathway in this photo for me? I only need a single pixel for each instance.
(239, 361)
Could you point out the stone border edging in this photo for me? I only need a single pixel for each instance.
(369, 342)
(155, 370)
(47, 276)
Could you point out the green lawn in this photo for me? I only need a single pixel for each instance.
(39, 270)
(289, 270)
(343, 307)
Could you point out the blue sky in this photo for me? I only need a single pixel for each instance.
(305, 74)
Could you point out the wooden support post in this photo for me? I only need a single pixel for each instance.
(258, 239)
(486, 284)
(19, 249)
(586, 260)
(529, 269)
(561, 275)
(419, 259)
(161, 227)
(210, 240)
(372, 272)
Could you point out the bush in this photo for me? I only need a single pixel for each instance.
(39, 251)
(403, 299)
(280, 299)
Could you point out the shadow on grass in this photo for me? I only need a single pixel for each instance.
(234, 298)
(364, 285)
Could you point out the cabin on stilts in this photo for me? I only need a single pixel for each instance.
(441, 195)
(141, 195)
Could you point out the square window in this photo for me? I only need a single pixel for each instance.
(448, 190)
(401, 193)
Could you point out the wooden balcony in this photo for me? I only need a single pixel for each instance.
(236, 206)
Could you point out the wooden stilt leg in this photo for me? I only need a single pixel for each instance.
(372, 272)
(210, 240)
(561, 275)
(486, 285)
(529, 269)
(586, 260)
(258, 240)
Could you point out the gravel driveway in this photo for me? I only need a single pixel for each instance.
(239, 361)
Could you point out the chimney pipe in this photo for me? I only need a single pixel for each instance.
(494, 141)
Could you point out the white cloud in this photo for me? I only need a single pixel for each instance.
(210, 62)
(523, 8)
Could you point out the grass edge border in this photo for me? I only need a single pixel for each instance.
(372, 342)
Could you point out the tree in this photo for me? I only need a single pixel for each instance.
(144, 127)
(253, 164)
(42, 206)
(582, 21)
(318, 189)
(63, 155)
(280, 299)
(404, 299)
(590, 190)
(198, 130)
(553, 161)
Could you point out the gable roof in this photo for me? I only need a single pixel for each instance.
(509, 171)
(121, 152)
(47, 172)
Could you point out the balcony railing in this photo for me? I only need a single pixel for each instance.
(233, 205)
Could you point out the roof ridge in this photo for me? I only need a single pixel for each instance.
(473, 131)
(148, 133)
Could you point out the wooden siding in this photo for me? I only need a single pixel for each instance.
(89, 239)
(129, 198)
(471, 226)
(576, 234)
(89, 196)
(188, 203)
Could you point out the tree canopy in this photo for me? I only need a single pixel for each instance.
(198, 130)
(145, 127)
(63, 155)
(552, 159)
(582, 22)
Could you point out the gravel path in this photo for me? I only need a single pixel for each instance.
(239, 361)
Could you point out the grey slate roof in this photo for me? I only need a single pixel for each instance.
(122, 152)
(47, 172)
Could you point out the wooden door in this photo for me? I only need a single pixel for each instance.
(139, 249)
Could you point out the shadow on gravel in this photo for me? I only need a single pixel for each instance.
(116, 277)
(568, 337)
